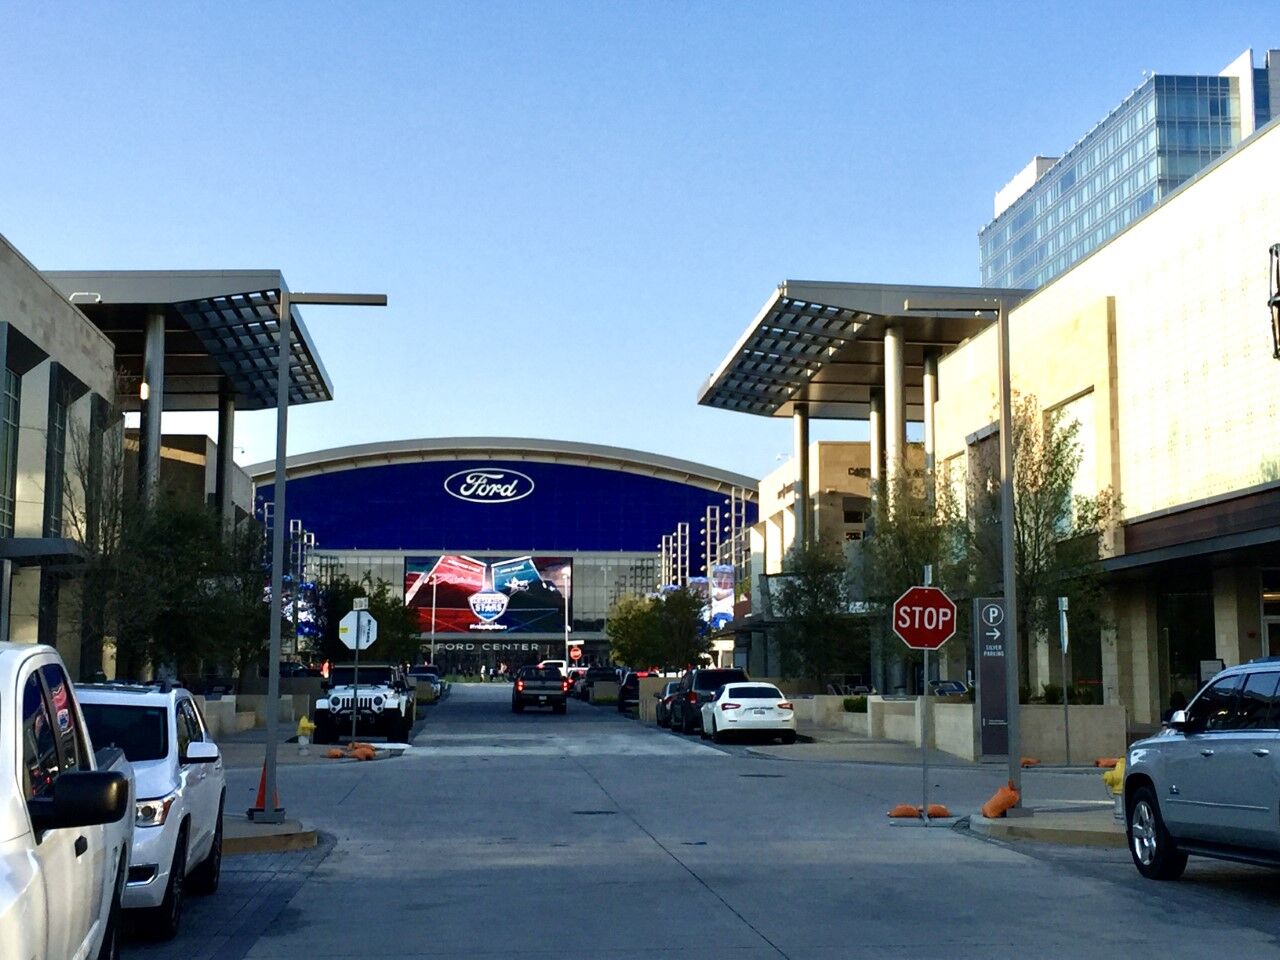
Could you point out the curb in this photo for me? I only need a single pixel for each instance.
(1027, 829)
(273, 838)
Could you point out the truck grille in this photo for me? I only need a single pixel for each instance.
(366, 702)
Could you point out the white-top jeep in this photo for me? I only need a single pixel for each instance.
(382, 703)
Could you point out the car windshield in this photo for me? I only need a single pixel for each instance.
(762, 692)
(141, 732)
(423, 672)
(346, 676)
(711, 679)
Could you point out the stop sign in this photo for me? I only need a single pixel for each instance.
(575, 654)
(924, 618)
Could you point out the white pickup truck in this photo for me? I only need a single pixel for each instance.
(66, 818)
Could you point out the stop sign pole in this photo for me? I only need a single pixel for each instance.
(924, 618)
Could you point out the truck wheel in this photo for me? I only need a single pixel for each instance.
(110, 949)
(163, 921)
(324, 731)
(561, 707)
(1154, 853)
(517, 706)
(204, 878)
(406, 730)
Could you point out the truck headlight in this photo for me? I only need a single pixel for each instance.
(152, 813)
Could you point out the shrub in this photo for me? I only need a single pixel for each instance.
(855, 704)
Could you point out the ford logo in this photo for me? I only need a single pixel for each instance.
(484, 485)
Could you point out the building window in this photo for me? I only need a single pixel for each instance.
(56, 457)
(10, 397)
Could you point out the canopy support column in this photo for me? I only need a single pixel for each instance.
(895, 406)
(151, 393)
(803, 513)
(226, 457)
(930, 439)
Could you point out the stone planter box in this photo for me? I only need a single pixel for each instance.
(855, 723)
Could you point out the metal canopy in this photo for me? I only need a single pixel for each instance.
(221, 329)
(823, 344)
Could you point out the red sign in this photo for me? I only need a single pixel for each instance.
(924, 618)
(575, 654)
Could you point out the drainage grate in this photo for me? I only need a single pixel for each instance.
(595, 813)
(763, 776)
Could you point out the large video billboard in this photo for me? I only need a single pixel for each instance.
(466, 595)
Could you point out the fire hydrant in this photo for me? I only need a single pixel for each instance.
(305, 730)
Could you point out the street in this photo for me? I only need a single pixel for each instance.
(589, 835)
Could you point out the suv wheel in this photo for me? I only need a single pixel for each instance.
(166, 918)
(1154, 852)
(204, 878)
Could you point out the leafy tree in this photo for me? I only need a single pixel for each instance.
(665, 630)
(681, 630)
(398, 637)
(816, 636)
(1058, 537)
(632, 628)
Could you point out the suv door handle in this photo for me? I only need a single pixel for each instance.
(1206, 753)
(1262, 752)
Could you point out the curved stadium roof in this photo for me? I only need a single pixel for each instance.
(506, 448)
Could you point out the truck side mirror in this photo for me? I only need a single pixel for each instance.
(1178, 721)
(81, 798)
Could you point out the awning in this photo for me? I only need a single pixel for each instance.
(221, 330)
(823, 344)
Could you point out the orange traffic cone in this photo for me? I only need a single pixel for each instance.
(259, 805)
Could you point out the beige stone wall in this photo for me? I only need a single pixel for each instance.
(1183, 375)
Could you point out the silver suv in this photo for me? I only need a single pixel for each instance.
(1209, 784)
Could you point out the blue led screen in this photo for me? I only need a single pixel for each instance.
(501, 505)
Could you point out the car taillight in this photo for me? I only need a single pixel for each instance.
(519, 686)
(730, 706)
(693, 696)
(564, 685)
(784, 705)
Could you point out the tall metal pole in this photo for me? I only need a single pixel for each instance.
(924, 716)
(1063, 640)
(434, 583)
(285, 333)
(1007, 547)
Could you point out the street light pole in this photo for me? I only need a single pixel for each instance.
(999, 306)
(271, 813)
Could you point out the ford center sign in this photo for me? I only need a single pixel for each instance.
(484, 485)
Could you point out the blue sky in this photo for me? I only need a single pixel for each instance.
(574, 208)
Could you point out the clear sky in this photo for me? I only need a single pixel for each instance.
(575, 208)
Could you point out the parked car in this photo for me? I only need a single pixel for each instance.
(1206, 785)
(181, 788)
(429, 676)
(664, 699)
(759, 708)
(697, 686)
(65, 817)
(540, 687)
(593, 676)
(629, 691)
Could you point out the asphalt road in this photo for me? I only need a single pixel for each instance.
(590, 836)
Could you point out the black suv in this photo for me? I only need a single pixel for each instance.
(696, 688)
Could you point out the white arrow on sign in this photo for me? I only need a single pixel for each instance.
(357, 628)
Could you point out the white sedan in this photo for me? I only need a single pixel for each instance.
(749, 708)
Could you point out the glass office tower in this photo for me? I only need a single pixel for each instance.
(1163, 134)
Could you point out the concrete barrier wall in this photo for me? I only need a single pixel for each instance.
(893, 720)
(603, 688)
(951, 729)
(257, 705)
(855, 723)
(1096, 731)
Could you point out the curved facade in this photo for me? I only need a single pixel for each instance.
(489, 535)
